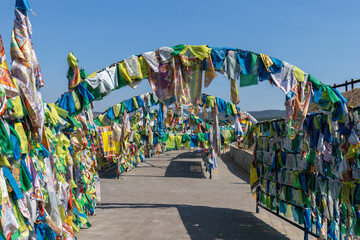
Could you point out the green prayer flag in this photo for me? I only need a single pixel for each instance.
(178, 49)
(250, 79)
(332, 95)
(70, 74)
(121, 80)
(97, 122)
(24, 179)
(2, 235)
(296, 180)
(306, 200)
(310, 158)
(315, 82)
(201, 137)
(10, 105)
(5, 143)
(94, 91)
(83, 74)
(185, 138)
(122, 109)
(73, 122)
(15, 235)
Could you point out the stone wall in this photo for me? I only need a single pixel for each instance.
(243, 158)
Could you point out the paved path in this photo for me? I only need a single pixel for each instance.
(170, 197)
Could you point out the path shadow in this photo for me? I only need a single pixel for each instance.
(176, 168)
(234, 168)
(109, 173)
(180, 166)
(202, 222)
(185, 169)
(191, 154)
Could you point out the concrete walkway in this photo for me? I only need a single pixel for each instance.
(170, 197)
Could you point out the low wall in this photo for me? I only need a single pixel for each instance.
(243, 158)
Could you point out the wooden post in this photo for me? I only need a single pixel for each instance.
(352, 84)
(346, 86)
(334, 85)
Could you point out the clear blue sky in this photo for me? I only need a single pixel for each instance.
(320, 37)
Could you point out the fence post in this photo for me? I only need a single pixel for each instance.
(352, 84)
(346, 86)
(257, 199)
(306, 235)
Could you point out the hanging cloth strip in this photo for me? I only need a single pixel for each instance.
(231, 66)
(297, 106)
(106, 141)
(85, 93)
(26, 70)
(17, 191)
(285, 79)
(5, 77)
(163, 80)
(210, 73)
(218, 56)
(234, 92)
(73, 73)
(249, 71)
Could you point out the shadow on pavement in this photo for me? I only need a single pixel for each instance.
(203, 222)
(191, 154)
(184, 169)
(176, 168)
(110, 173)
